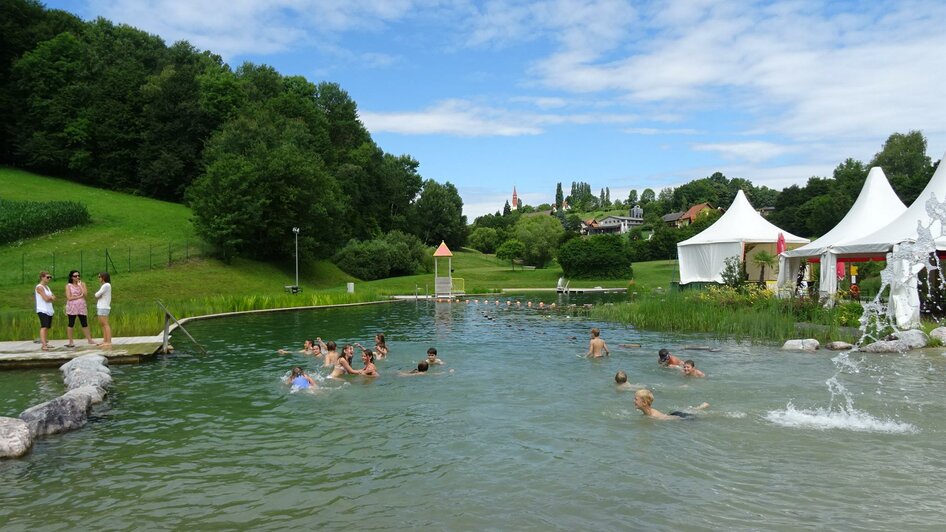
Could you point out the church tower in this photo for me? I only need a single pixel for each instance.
(515, 198)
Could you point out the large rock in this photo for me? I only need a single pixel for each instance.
(899, 342)
(940, 334)
(88, 370)
(95, 394)
(15, 437)
(839, 346)
(64, 413)
(807, 344)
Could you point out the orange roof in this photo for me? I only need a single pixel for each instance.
(443, 250)
(693, 211)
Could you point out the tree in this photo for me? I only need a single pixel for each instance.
(647, 196)
(599, 256)
(763, 258)
(511, 250)
(484, 239)
(632, 197)
(559, 196)
(905, 163)
(507, 210)
(540, 235)
(438, 215)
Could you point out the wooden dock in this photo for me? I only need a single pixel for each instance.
(29, 354)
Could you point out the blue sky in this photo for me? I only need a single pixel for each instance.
(626, 95)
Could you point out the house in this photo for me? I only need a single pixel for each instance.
(681, 219)
(614, 224)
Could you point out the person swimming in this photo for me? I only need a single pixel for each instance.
(421, 369)
(620, 382)
(370, 370)
(664, 358)
(597, 345)
(300, 380)
(644, 400)
(432, 357)
(343, 364)
(689, 369)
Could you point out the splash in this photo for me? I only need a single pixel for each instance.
(900, 279)
(830, 419)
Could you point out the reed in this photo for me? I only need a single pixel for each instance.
(752, 315)
(146, 319)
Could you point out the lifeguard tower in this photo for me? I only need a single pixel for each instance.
(445, 285)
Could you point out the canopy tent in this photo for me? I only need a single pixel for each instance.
(876, 205)
(702, 257)
(924, 217)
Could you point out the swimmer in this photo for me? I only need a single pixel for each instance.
(620, 382)
(300, 380)
(421, 369)
(664, 358)
(331, 357)
(432, 357)
(597, 345)
(370, 370)
(380, 347)
(689, 369)
(343, 364)
(306, 348)
(644, 399)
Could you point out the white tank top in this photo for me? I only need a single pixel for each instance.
(46, 307)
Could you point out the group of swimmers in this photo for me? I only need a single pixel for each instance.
(644, 398)
(341, 364)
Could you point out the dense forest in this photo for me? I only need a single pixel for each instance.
(255, 153)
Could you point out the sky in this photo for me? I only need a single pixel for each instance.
(620, 94)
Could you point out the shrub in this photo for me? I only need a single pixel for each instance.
(734, 274)
(600, 256)
(392, 255)
(484, 239)
(27, 219)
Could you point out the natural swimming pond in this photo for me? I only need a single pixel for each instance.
(523, 434)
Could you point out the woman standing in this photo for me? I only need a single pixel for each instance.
(76, 292)
(103, 305)
(44, 307)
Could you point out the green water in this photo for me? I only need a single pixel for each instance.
(522, 434)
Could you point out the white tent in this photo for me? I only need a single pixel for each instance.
(702, 257)
(876, 206)
(926, 215)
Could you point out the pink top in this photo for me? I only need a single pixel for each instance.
(75, 307)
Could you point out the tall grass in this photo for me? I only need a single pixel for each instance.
(147, 319)
(753, 316)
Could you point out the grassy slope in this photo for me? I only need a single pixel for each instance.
(122, 220)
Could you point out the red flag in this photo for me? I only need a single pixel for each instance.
(780, 244)
(840, 270)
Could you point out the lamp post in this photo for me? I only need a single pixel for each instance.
(296, 231)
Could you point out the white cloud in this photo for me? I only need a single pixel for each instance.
(468, 119)
(752, 151)
(657, 131)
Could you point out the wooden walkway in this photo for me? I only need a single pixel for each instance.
(29, 354)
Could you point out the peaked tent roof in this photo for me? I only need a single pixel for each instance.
(876, 206)
(904, 227)
(443, 250)
(741, 223)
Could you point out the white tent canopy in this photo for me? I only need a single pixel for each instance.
(875, 207)
(702, 257)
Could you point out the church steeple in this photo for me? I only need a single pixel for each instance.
(515, 198)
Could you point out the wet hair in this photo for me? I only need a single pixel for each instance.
(71, 275)
(106, 278)
(663, 354)
(690, 362)
(422, 366)
(310, 341)
(331, 345)
(346, 349)
(646, 396)
(620, 377)
(369, 353)
(596, 332)
(432, 351)
(296, 372)
(379, 339)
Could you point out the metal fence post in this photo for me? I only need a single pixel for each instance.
(169, 254)
(187, 254)
(129, 259)
(23, 268)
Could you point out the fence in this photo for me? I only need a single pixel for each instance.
(113, 260)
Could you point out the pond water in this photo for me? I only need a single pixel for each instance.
(516, 431)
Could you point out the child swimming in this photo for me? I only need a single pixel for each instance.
(644, 399)
(300, 380)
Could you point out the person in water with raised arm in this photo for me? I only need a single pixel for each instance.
(307, 347)
(343, 364)
(644, 400)
(597, 345)
(331, 356)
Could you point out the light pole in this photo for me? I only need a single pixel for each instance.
(296, 231)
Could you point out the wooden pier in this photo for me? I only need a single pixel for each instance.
(29, 354)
